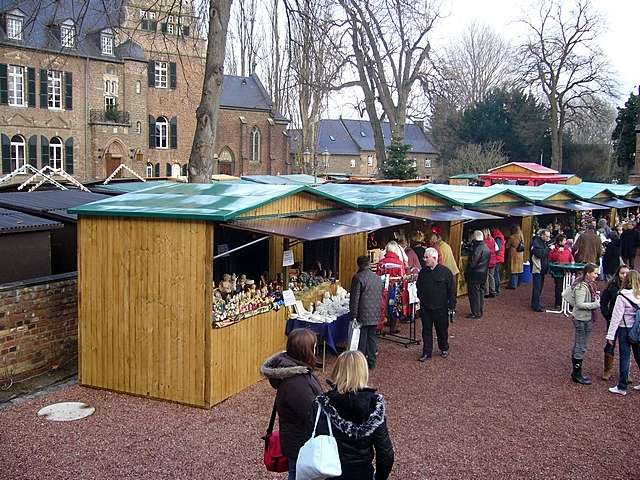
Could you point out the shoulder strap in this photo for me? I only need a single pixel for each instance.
(633, 304)
(273, 417)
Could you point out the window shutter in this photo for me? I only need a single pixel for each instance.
(31, 86)
(43, 89)
(4, 92)
(33, 151)
(163, 27)
(185, 31)
(68, 91)
(152, 132)
(154, 26)
(68, 155)
(6, 154)
(44, 151)
(173, 77)
(151, 73)
(156, 170)
(168, 170)
(173, 132)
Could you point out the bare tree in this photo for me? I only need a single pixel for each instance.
(201, 161)
(390, 49)
(473, 157)
(470, 67)
(245, 32)
(563, 59)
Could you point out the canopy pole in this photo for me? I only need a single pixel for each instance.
(239, 248)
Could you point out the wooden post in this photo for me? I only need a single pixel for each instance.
(527, 233)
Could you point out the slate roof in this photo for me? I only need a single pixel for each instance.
(49, 203)
(90, 17)
(247, 93)
(350, 137)
(18, 222)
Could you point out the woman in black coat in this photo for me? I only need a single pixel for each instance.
(607, 302)
(611, 257)
(629, 241)
(291, 373)
(357, 416)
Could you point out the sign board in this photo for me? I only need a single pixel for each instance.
(223, 248)
(288, 297)
(287, 258)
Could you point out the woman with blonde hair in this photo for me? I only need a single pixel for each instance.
(515, 253)
(622, 320)
(357, 416)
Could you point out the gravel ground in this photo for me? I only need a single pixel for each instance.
(502, 406)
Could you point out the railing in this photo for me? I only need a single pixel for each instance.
(109, 117)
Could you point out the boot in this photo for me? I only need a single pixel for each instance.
(576, 376)
(608, 366)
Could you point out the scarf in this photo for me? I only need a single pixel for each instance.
(593, 289)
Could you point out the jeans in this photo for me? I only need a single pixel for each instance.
(536, 291)
(476, 297)
(440, 319)
(514, 280)
(368, 343)
(558, 284)
(496, 276)
(292, 468)
(583, 332)
(490, 285)
(625, 356)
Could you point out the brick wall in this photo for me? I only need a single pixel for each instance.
(38, 325)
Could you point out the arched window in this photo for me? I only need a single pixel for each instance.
(162, 132)
(17, 151)
(55, 153)
(255, 145)
(226, 155)
(167, 170)
(175, 170)
(185, 170)
(138, 86)
(149, 169)
(156, 170)
(138, 127)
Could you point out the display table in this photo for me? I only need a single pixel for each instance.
(566, 271)
(333, 333)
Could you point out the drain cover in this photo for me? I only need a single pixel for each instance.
(66, 411)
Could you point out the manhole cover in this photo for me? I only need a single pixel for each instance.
(66, 411)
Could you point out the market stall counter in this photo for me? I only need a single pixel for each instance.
(148, 323)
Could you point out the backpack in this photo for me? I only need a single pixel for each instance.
(569, 295)
(520, 247)
(634, 331)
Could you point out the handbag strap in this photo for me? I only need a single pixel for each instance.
(272, 422)
(633, 304)
(318, 412)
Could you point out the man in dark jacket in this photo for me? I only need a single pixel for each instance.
(539, 266)
(437, 294)
(476, 274)
(364, 305)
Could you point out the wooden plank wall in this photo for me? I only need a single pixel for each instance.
(299, 202)
(238, 351)
(144, 306)
(527, 233)
(351, 247)
(275, 254)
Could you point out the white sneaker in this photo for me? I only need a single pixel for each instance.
(618, 391)
(637, 387)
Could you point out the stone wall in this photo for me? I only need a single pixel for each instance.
(38, 325)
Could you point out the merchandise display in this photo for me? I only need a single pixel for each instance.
(236, 298)
(333, 303)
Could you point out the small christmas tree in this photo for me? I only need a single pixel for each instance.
(397, 164)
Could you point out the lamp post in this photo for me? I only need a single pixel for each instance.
(312, 158)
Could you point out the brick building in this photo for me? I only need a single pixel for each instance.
(351, 148)
(87, 85)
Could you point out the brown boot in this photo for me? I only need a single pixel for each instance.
(608, 366)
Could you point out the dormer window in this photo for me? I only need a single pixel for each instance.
(106, 43)
(14, 27)
(332, 138)
(67, 34)
(362, 134)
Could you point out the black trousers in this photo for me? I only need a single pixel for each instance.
(559, 282)
(476, 297)
(368, 343)
(438, 318)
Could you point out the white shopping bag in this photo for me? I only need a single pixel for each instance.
(354, 339)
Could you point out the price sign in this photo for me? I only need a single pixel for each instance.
(287, 258)
(288, 297)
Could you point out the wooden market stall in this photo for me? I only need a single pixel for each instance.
(146, 270)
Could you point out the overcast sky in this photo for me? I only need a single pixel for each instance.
(619, 42)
